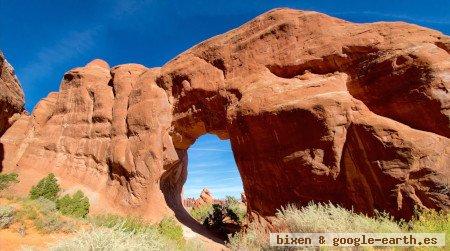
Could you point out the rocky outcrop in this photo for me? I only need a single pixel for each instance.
(11, 94)
(316, 108)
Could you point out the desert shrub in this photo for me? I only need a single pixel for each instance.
(76, 205)
(321, 218)
(200, 213)
(431, 221)
(6, 179)
(127, 224)
(254, 238)
(313, 218)
(47, 188)
(33, 209)
(222, 221)
(169, 228)
(115, 239)
(237, 207)
(6, 216)
(53, 223)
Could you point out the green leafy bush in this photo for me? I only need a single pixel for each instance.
(6, 180)
(6, 216)
(236, 207)
(200, 213)
(47, 188)
(222, 220)
(76, 205)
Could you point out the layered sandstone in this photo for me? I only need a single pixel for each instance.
(316, 108)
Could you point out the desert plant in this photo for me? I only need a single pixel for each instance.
(236, 207)
(53, 223)
(321, 218)
(6, 180)
(47, 188)
(6, 216)
(222, 220)
(430, 221)
(127, 224)
(201, 212)
(115, 239)
(76, 205)
(313, 218)
(169, 228)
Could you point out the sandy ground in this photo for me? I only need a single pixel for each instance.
(208, 244)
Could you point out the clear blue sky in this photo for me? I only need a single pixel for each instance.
(42, 39)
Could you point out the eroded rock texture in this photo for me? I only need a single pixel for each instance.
(11, 95)
(316, 108)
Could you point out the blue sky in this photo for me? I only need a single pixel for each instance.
(43, 39)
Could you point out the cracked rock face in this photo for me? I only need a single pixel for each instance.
(11, 94)
(316, 108)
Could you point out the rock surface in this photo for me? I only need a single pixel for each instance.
(11, 94)
(316, 108)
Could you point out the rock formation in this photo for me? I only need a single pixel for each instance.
(11, 95)
(316, 108)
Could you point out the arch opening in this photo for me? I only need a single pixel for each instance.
(208, 163)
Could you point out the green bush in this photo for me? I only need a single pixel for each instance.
(47, 188)
(76, 205)
(6, 216)
(169, 228)
(200, 213)
(236, 207)
(6, 180)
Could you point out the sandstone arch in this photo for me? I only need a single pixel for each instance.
(316, 108)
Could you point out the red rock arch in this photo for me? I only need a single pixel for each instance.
(316, 108)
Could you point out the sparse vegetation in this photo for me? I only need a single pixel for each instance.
(76, 205)
(42, 212)
(127, 224)
(53, 223)
(320, 218)
(236, 207)
(200, 213)
(169, 228)
(6, 216)
(115, 239)
(7, 179)
(47, 188)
